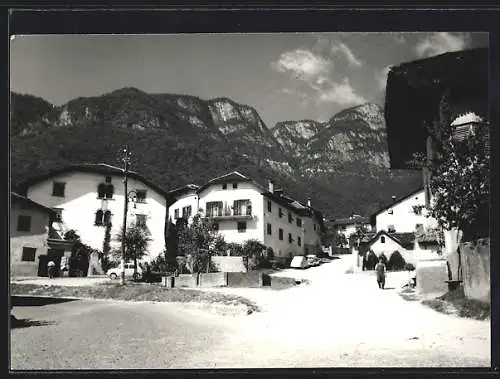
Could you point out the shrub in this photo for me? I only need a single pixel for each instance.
(409, 267)
(235, 249)
(371, 260)
(396, 262)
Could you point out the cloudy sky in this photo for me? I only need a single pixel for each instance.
(285, 76)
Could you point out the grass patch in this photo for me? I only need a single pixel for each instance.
(455, 302)
(132, 292)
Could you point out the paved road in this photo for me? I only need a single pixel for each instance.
(338, 320)
(106, 335)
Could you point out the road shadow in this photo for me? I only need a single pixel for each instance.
(389, 288)
(35, 301)
(26, 323)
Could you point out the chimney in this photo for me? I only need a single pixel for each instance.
(309, 202)
(270, 186)
(393, 198)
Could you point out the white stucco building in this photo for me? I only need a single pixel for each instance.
(245, 209)
(86, 197)
(405, 215)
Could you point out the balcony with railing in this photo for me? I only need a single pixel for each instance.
(240, 210)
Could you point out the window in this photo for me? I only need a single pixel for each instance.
(235, 185)
(391, 229)
(269, 229)
(186, 212)
(314, 226)
(242, 227)
(280, 213)
(224, 186)
(242, 207)
(58, 189)
(99, 217)
(214, 209)
(299, 241)
(141, 196)
(101, 191)
(58, 216)
(109, 191)
(281, 234)
(108, 179)
(107, 218)
(269, 208)
(299, 222)
(28, 254)
(290, 239)
(290, 218)
(382, 239)
(176, 214)
(140, 220)
(24, 223)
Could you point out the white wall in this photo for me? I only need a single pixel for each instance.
(312, 237)
(81, 203)
(189, 199)
(229, 228)
(403, 218)
(413, 255)
(283, 248)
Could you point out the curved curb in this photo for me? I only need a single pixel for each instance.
(215, 308)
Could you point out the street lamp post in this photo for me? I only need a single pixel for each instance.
(126, 155)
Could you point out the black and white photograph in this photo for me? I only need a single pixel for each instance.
(249, 200)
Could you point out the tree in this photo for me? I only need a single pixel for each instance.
(340, 239)
(254, 251)
(106, 248)
(197, 242)
(80, 254)
(136, 244)
(172, 243)
(396, 262)
(460, 186)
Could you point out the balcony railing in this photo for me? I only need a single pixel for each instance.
(230, 214)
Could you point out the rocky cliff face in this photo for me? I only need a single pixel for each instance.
(180, 139)
(353, 139)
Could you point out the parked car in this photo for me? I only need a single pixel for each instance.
(313, 260)
(116, 272)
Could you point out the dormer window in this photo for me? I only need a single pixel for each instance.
(58, 189)
(141, 196)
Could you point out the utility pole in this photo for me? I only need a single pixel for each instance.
(125, 156)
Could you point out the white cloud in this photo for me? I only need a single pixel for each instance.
(313, 73)
(442, 42)
(381, 77)
(303, 64)
(343, 48)
(342, 94)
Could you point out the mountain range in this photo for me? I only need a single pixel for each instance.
(342, 164)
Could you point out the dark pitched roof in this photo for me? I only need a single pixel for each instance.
(232, 176)
(397, 201)
(414, 91)
(16, 198)
(182, 190)
(98, 168)
(403, 239)
(351, 220)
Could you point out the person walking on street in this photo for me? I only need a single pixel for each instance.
(380, 270)
(51, 266)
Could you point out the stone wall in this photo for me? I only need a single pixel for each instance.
(244, 279)
(213, 279)
(476, 269)
(431, 277)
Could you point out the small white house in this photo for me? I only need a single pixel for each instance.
(405, 215)
(349, 225)
(408, 245)
(88, 197)
(244, 209)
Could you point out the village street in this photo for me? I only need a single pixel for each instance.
(337, 320)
